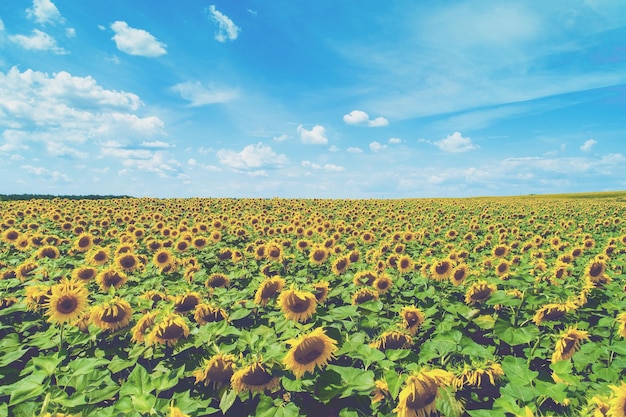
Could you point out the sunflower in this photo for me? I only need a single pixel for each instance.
(412, 319)
(268, 289)
(383, 283)
(308, 351)
(83, 242)
(552, 312)
(216, 371)
(297, 305)
(417, 398)
(321, 290)
(168, 330)
(37, 296)
(621, 320)
(318, 255)
(163, 259)
(84, 273)
(364, 295)
(568, 343)
(112, 315)
(207, 313)
(254, 378)
(478, 376)
(441, 270)
(98, 256)
(502, 268)
(405, 264)
(340, 265)
(478, 292)
(217, 280)
(392, 339)
(143, 325)
(274, 252)
(617, 403)
(594, 271)
(500, 251)
(127, 262)
(459, 274)
(10, 235)
(67, 301)
(110, 277)
(186, 302)
(48, 251)
(25, 270)
(7, 302)
(381, 391)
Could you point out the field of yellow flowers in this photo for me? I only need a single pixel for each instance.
(295, 307)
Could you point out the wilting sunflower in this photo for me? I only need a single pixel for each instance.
(85, 273)
(254, 378)
(460, 274)
(417, 398)
(37, 296)
(568, 343)
(617, 403)
(48, 251)
(98, 256)
(552, 312)
(207, 313)
(6, 302)
(268, 289)
(478, 376)
(364, 295)
(308, 351)
(25, 270)
(216, 371)
(478, 292)
(111, 277)
(392, 339)
(127, 262)
(186, 302)
(441, 270)
(168, 330)
(383, 283)
(67, 301)
(321, 290)
(412, 319)
(318, 254)
(112, 315)
(381, 391)
(297, 305)
(217, 280)
(143, 325)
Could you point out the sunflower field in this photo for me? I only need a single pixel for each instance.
(295, 307)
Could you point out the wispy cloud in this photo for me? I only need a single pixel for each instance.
(199, 95)
(455, 143)
(38, 41)
(586, 147)
(253, 156)
(360, 118)
(377, 146)
(315, 136)
(227, 30)
(44, 11)
(136, 41)
(325, 167)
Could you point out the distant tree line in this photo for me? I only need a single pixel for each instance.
(12, 197)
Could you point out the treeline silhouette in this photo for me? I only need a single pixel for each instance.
(12, 197)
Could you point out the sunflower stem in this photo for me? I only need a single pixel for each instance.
(535, 346)
(61, 337)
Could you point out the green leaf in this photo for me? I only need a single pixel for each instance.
(394, 383)
(27, 389)
(12, 356)
(517, 372)
(485, 321)
(239, 314)
(227, 400)
(83, 366)
(515, 335)
(395, 354)
(137, 384)
(48, 364)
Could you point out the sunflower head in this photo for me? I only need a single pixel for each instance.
(417, 398)
(207, 313)
(321, 290)
(268, 289)
(383, 283)
(479, 292)
(67, 301)
(111, 277)
(297, 305)
(186, 302)
(364, 295)
(393, 339)
(441, 270)
(168, 330)
(568, 343)
(412, 319)
(254, 378)
(309, 351)
(112, 315)
(216, 371)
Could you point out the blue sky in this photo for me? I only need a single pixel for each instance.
(320, 99)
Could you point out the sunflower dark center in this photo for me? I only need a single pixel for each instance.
(319, 255)
(596, 269)
(84, 242)
(364, 297)
(503, 267)
(128, 261)
(100, 256)
(299, 305)
(424, 393)
(442, 268)
(111, 316)
(171, 332)
(256, 377)
(187, 304)
(217, 281)
(481, 294)
(269, 289)
(309, 351)
(86, 274)
(67, 304)
(163, 257)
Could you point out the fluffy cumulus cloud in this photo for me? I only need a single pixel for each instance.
(395, 141)
(37, 41)
(360, 118)
(586, 147)
(315, 136)
(199, 95)
(252, 157)
(455, 143)
(325, 167)
(44, 11)
(61, 112)
(136, 41)
(377, 146)
(227, 30)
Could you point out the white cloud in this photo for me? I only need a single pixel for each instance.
(195, 164)
(227, 30)
(395, 141)
(586, 147)
(360, 118)
(353, 149)
(155, 144)
(38, 41)
(1, 25)
(333, 148)
(136, 41)
(199, 95)
(455, 143)
(281, 138)
(70, 32)
(315, 136)
(377, 147)
(251, 157)
(325, 167)
(46, 174)
(44, 11)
